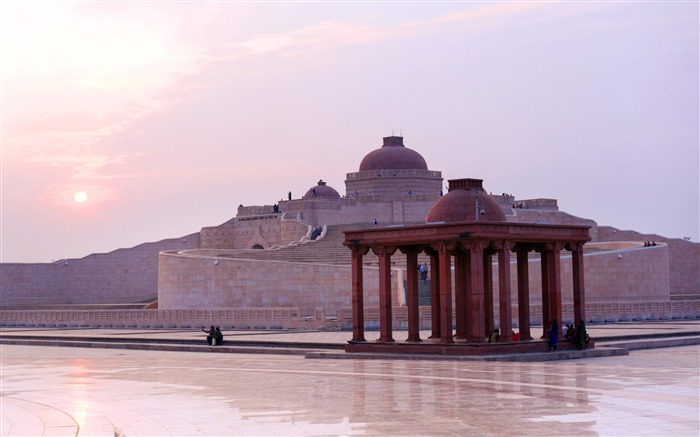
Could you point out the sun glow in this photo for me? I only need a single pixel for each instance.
(80, 197)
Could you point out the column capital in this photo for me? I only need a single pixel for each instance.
(359, 251)
(409, 250)
(549, 247)
(523, 247)
(502, 245)
(476, 245)
(576, 246)
(444, 247)
(384, 250)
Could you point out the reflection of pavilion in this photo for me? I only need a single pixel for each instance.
(471, 229)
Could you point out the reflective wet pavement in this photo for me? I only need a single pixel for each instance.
(62, 391)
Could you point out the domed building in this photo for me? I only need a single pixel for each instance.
(394, 173)
(462, 237)
(393, 185)
(264, 267)
(321, 190)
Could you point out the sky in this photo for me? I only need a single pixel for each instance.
(168, 115)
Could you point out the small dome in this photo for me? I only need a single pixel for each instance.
(459, 204)
(393, 155)
(321, 190)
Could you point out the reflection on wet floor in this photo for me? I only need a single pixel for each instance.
(69, 391)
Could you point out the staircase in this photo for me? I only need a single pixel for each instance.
(326, 250)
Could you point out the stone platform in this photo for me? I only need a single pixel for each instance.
(119, 391)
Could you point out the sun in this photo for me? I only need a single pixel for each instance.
(80, 197)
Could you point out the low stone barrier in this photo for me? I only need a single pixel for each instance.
(243, 318)
(596, 313)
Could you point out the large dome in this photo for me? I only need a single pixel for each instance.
(321, 190)
(393, 155)
(460, 204)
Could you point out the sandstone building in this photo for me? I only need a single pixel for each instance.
(289, 255)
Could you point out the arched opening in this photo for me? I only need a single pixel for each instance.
(257, 246)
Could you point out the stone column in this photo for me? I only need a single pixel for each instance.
(445, 292)
(544, 266)
(412, 291)
(488, 291)
(504, 303)
(434, 292)
(523, 295)
(579, 289)
(461, 295)
(385, 318)
(475, 293)
(554, 270)
(358, 305)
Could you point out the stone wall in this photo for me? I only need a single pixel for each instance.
(391, 185)
(683, 257)
(246, 232)
(290, 318)
(354, 211)
(553, 218)
(186, 281)
(121, 276)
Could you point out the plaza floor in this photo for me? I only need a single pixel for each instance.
(75, 391)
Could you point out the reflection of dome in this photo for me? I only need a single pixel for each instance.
(321, 190)
(393, 155)
(459, 204)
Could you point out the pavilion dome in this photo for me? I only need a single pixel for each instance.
(321, 190)
(459, 204)
(393, 155)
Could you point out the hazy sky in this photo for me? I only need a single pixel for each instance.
(169, 115)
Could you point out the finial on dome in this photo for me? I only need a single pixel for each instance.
(393, 141)
(465, 184)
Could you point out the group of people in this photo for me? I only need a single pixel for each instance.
(316, 232)
(214, 335)
(649, 243)
(423, 270)
(574, 335)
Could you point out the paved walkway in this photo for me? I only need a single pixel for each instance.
(334, 339)
(61, 391)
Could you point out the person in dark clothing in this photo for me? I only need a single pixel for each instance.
(218, 335)
(581, 335)
(553, 335)
(210, 333)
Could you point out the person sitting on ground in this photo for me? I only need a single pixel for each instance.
(570, 334)
(218, 335)
(210, 333)
(495, 336)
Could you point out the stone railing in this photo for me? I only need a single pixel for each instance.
(289, 318)
(595, 313)
(243, 318)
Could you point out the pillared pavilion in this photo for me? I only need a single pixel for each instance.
(464, 230)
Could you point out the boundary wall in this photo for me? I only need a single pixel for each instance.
(118, 277)
(683, 258)
(290, 318)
